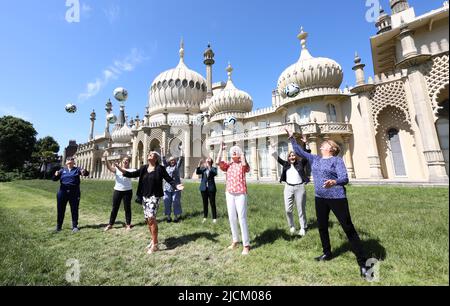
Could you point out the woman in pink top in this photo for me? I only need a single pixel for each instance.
(236, 195)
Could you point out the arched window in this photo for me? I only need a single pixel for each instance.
(396, 152)
(332, 115)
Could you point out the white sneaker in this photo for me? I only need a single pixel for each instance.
(302, 232)
(204, 220)
(292, 230)
(215, 221)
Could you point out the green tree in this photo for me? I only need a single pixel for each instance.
(46, 149)
(17, 141)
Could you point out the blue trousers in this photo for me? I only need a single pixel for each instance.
(172, 199)
(73, 197)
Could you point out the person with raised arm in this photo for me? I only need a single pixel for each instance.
(208, 188)
(236, 195)
(330, 178)
(150, 191)
(69, 191)
(172, 197)
(122, 190)
(295, 178)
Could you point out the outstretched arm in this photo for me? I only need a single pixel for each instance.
(125, 173)
(298, 149)
(108, 165)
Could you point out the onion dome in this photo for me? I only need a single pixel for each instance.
(230, 99)
(311, 72)
(122, 133)
(177, 90)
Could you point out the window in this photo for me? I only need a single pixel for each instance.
(396, 151)
(304, 114)
(185, 83)
(172, 83)
(332, 117)
(178, 83)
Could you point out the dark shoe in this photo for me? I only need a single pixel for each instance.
(177, 219)
(57, 230)
(169, 219)
(324, 257)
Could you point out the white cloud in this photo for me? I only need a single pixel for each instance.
(112, 13)
(128, 64)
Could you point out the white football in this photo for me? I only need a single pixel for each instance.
(229, 122)
(111, 118)
(71, 108)
(121, 94)
(292, 90)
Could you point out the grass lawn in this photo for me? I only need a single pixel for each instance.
(407, 229)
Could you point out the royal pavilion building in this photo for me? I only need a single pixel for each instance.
(392, 126)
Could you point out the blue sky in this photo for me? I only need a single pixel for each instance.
(48, 62)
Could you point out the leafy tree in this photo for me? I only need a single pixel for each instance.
(46, 149)
(17, 141)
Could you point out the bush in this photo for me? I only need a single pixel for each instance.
(10, 176)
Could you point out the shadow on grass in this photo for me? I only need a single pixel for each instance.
(175, 242)
(372, 247)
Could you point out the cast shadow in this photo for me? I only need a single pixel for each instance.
(175, 242)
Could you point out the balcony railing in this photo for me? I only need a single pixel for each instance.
(279, 130)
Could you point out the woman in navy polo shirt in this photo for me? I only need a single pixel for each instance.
(69, 191)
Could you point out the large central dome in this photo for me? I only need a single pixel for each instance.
(311, 73)
(178, 90)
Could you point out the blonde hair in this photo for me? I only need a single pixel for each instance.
(335, 148)
(292, 152)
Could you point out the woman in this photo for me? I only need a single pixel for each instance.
(171, 195)
(294, 175)
(330, 177)
(122, 190)
(150, 191)
(208, 188)
(69, 191)
(236, 195)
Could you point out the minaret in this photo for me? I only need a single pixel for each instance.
(93, 118)
(384, 22)
(359, 71)
(108, 110)
(209, 62)
(398, 6)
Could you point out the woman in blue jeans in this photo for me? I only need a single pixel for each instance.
(172, 197)
(330, 178)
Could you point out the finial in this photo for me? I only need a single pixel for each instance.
(182, 50)
(357, 58)
(303, 36)
(229, 70)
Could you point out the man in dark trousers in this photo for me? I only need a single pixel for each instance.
(69, 191)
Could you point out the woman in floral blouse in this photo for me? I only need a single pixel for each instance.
(236, 195)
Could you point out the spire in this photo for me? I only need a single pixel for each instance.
(357, 58)
(398, 6)
(302, 36)
(230, 84)
(182, 51)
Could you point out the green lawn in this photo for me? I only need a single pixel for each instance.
(406, 228)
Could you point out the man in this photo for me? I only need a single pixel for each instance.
(69, 191)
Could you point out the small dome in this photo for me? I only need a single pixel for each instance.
(230, 99)
(311, 72)
(122, 135)
(177, 90)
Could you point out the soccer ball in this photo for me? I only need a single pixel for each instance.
(111, 118)
(121, 94)
(229, 122)
(71, 108)
(292, 90)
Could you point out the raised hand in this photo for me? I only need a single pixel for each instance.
(304, 139)
(289, 132)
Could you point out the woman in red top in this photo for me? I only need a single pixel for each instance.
(236, 195)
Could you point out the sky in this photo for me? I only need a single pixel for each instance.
(52, 56)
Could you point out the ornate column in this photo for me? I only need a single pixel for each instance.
(187, 150)
(93, 117)
(254, 159)
(348, 157)
(363, 90)
(312, 141)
